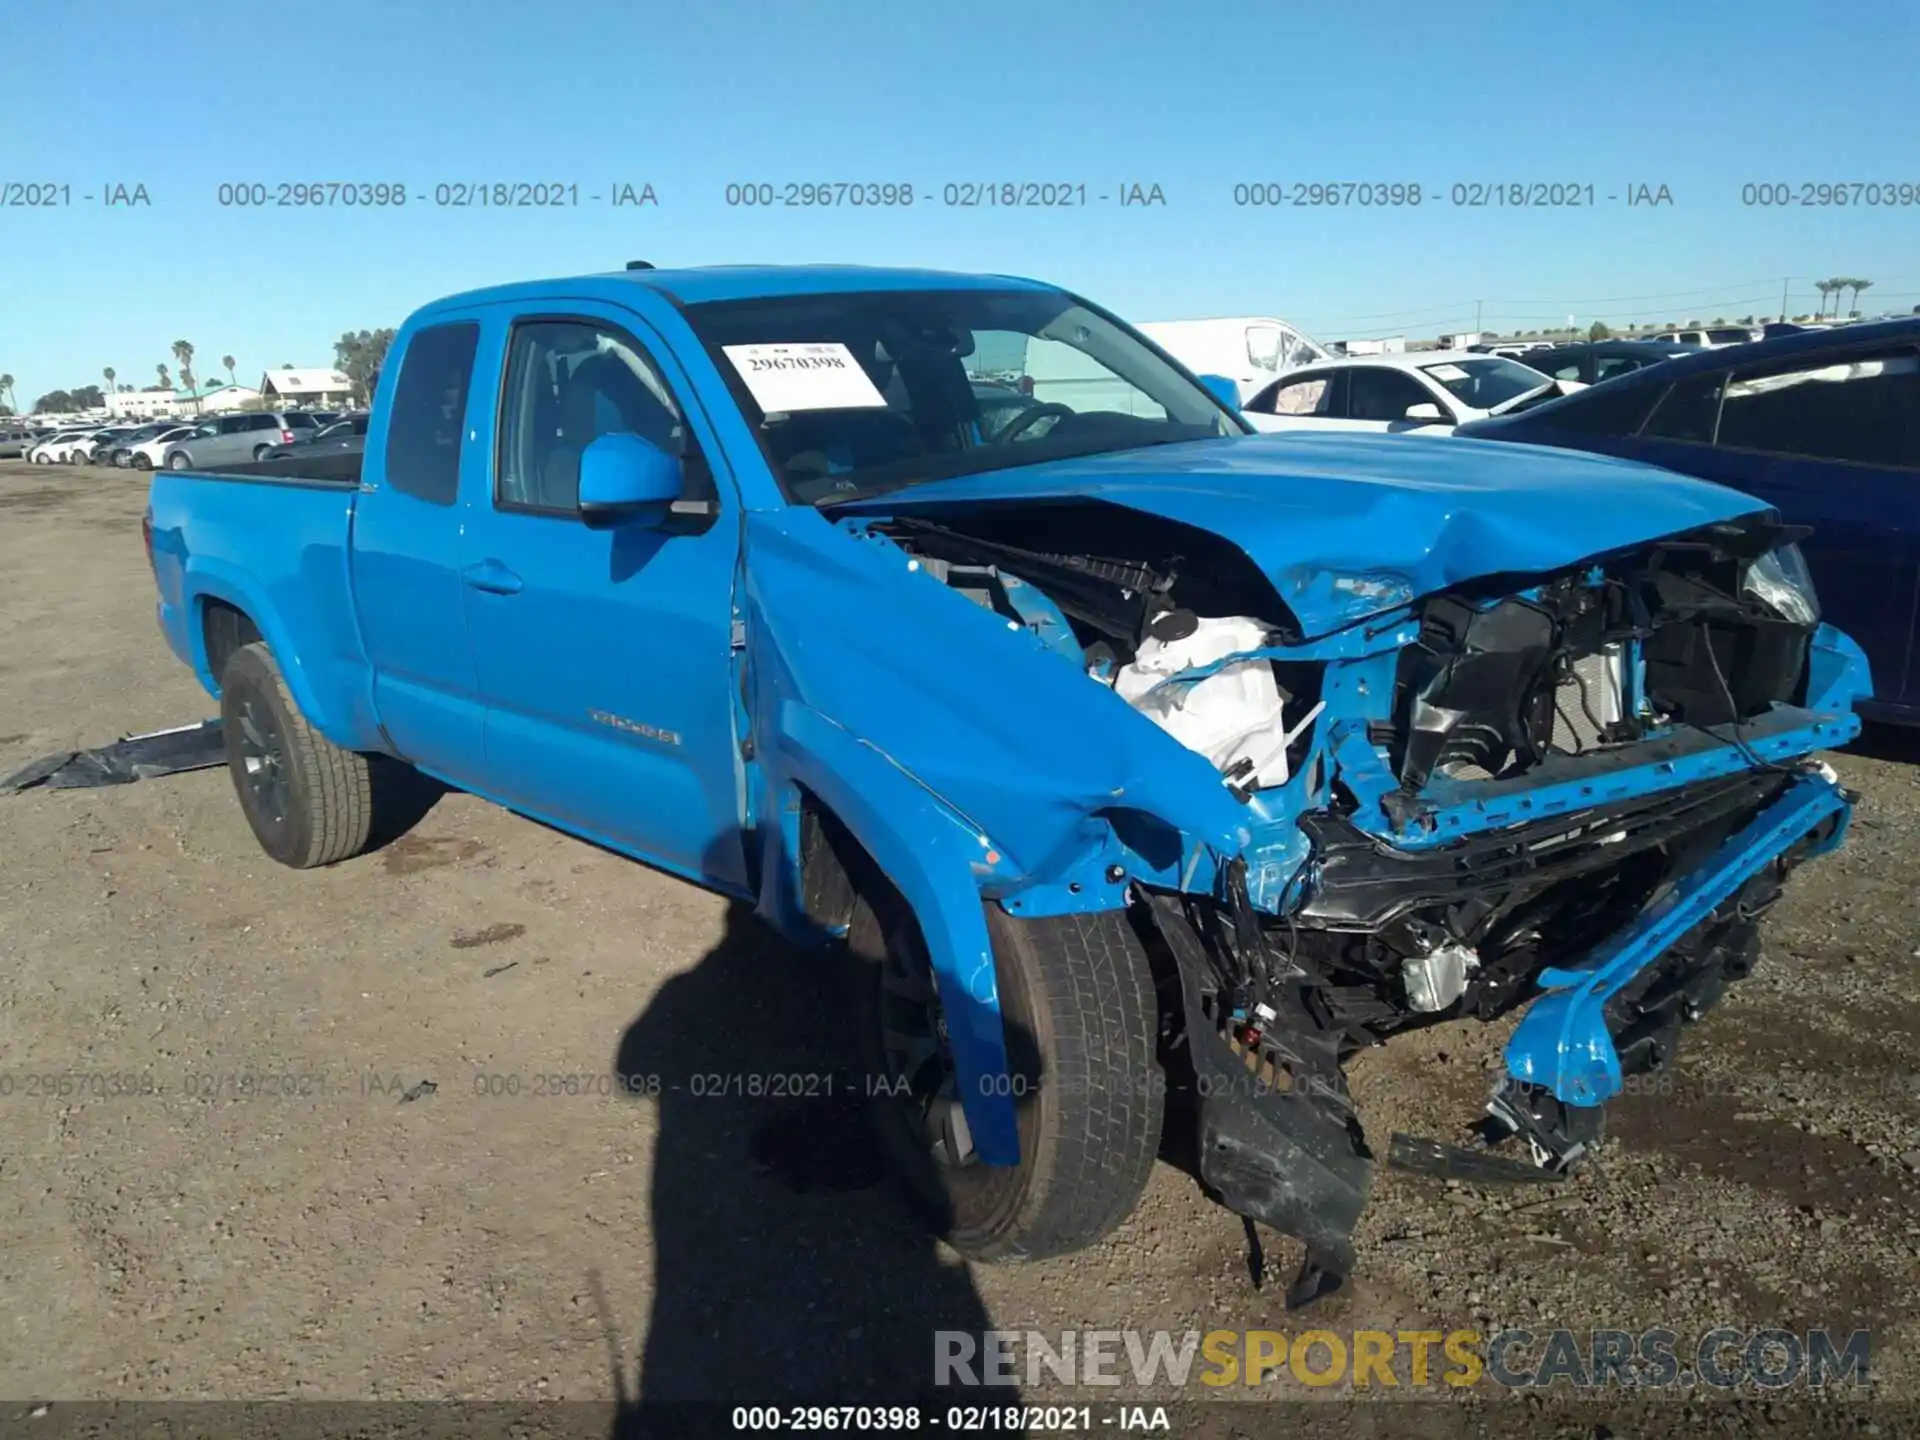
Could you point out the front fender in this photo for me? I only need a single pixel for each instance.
(988, 717)
(936, 859)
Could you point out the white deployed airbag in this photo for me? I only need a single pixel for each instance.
(1234, 716)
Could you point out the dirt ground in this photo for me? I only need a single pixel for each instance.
(352, 1133)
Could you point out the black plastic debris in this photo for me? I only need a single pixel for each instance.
(130, 758)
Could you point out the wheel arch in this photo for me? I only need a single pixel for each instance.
(867, 810)
(226, 604)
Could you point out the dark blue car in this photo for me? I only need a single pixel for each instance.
(1823, 425)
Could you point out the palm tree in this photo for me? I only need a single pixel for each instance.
(1825, 287)
(229, 362)
(183, 352)
(1858, 286)
(109, 373)
(166, 380)
(6, 384)
(1839, 283)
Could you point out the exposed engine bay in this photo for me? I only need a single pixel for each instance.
(1578, 790)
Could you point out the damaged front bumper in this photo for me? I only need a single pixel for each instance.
(1278, 1138)
(1565, 1043)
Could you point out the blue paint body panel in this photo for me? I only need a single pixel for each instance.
(1348, 526)
(679, 696)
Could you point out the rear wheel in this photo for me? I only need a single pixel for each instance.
(309, 802)
(1078, 1002)
(140, 462)
(179, 460)
(260, 452)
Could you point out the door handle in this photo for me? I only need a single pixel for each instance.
(492, 577)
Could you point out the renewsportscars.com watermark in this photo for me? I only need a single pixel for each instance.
(1721, 1359)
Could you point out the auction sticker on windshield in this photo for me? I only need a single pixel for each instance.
(1446, 372)
(784, 378)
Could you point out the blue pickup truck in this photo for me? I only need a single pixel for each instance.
(1141, 765)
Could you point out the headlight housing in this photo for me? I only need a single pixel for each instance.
(1781, 581)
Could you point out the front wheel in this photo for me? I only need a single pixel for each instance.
(179, 460)
(1077, 998)
(141, 462)
(308, 801)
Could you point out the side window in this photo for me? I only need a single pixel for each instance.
(1608, 365)
(1265, 345)
(1376, 393)
(233, 424)
(1688, 410)
(264, 422)
(1295, 351)
(1860, 409)
(1570, 370)
(568, 383)
(429, 412)
(1306, 396)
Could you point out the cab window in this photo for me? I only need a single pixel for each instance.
(429, 412)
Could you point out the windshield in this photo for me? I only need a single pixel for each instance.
(857, 393)
(1484, 381)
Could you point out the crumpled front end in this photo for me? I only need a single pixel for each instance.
(1574, 793)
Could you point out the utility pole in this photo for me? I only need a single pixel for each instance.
(1476, 317)
(1783, 296)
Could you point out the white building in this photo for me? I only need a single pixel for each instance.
(222, 398)
(305, 388)
(141, 404)
(167, 404)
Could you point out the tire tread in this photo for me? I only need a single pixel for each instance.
(1097, 1151)
(337, 783)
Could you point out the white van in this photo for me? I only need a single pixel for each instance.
(1250, 350)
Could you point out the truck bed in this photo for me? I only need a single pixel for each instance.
(270, 540)
(329, 469)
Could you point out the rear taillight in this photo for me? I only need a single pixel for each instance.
(286, 437)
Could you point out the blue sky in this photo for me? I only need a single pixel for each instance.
(1195, 97)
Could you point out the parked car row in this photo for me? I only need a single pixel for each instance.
(220, 439)
(344, 436)
(242, 436)
(75, 447)
(1823, 423)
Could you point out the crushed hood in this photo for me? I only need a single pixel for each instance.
(1347, 525)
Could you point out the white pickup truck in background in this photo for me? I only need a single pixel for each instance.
(1250, 350)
